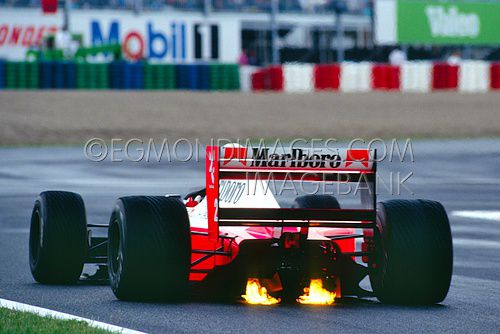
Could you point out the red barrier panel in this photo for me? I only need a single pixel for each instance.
(495, 76)
(274, 78)
(327, 77)
(385, 77)
(393, 77)
(258, 80)
(379, 79)
(444, 76)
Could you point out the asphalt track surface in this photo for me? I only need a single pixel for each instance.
(462, 174)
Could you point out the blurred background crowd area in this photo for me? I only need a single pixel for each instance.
(356, 7)
(307, 31)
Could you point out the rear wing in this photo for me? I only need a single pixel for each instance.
(233, 162)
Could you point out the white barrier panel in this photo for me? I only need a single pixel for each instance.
(474, 76)
(298, 78)
(355, 77)
(416, 76)
(246, 72)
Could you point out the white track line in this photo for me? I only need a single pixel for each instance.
(475, 243)
(64, 316)
(478, 214)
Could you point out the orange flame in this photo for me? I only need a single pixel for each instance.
(257, 294)
(315, 294)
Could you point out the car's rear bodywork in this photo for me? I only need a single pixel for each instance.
(239, 230)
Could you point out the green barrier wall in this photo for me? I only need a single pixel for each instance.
(159, 76)
(21, 75)
(92, 76)
(29, 75)
(224, 77)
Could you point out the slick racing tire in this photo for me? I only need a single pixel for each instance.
(149, 248)
(58, 237)
(414, 252)
(316, 202)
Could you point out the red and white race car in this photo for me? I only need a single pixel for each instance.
(235, 237)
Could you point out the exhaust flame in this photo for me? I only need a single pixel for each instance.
(257, 294)
(315, 294)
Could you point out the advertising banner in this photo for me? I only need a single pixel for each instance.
(160, 37)
(437, 22)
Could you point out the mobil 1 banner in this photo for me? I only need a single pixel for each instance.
(158, 37)
(166, 37)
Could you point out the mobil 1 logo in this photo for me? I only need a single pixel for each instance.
(206, 41)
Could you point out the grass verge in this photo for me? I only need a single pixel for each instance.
(23, 322)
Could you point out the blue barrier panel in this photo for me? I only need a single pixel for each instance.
(58, 70)
(137, 81)
(187, 76)
(204, 77)
(182, 80)
(127, 75)
(115, 74)
(70, 75)
(2, 73)
(193, 75)
(46, 75)
(180, 77)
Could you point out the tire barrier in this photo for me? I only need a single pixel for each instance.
(298, 78)
(413, 76)
(224, 77)
(187, 77)
(258, 80)
(57, 75)
(355, 77)
(92, 76)
(2, 73)
(495, 76)
(245, 74)
(118, 75)
(385, 77)
(124, 75)
(416, 77)
(159, 76)
(327, 77)
(474, 76)
(444, 76)
(21, 75)
(269, 78)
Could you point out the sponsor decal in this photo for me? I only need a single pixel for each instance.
(357, 155)
(155, 44)
(235, 152)
(443, 22)
(23, 35)
(451, 22)
(297, 158)
(231, 191)
(159, 42)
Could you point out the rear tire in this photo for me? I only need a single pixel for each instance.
(414, 252)
(149, 248)
(58, 237)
